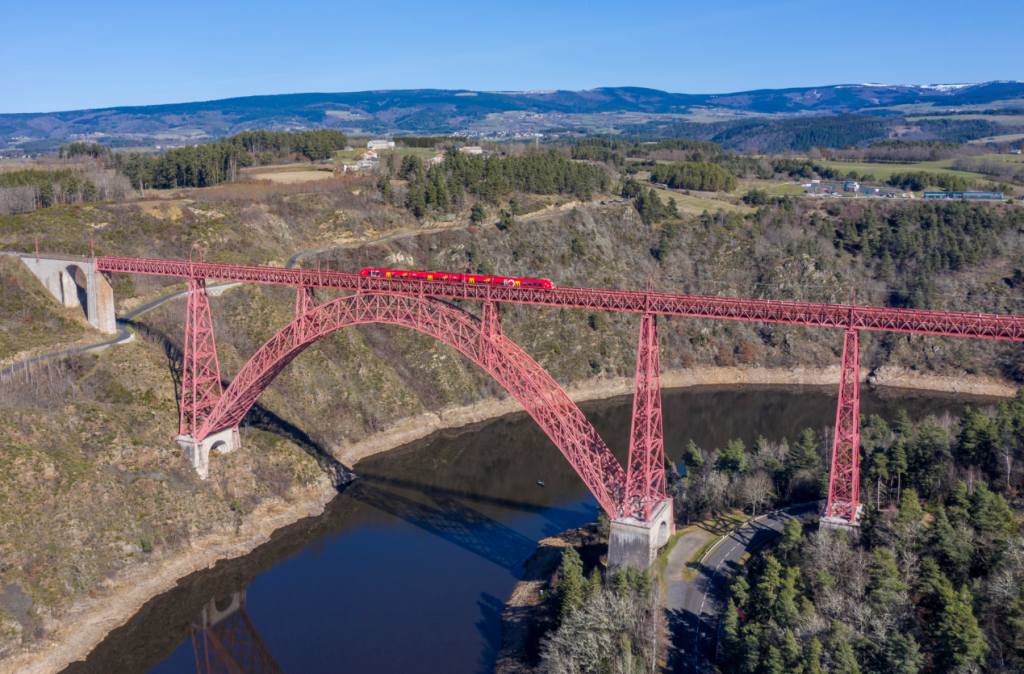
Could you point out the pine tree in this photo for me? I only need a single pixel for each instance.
(693, 458)
(885, 586)
(843, 659)
(785, 611)
(791, 652)
(904, 428)
(804, 454)
(900, 654)
(951, 546)
(958, 640)
(897, 463)
(570, 583)
(740, 591)
(812, 658)
(620, 582)
(910, 519)
(878, 468)
(750, 656)
(478, 214)
(774, 663)
(384, 185)
(766, 589)
(594, 585)
(791, 539)
(886, 269)
(977, 439)
(730, 629)
(928, 455)
(733, 458)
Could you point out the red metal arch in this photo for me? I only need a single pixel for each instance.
(478, 339)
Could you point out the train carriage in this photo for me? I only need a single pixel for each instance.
(448, 277)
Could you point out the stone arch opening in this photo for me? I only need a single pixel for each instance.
(75, 285)
(225, 603)
(662, 534)
(220, 446)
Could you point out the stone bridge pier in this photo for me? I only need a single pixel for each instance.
(75, 283)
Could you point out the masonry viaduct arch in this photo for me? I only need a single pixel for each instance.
(479, 339)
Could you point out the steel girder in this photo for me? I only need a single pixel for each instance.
(951, 323)
(305, 299)
(645, 476)
(844, 480)
(479, 340)
(200, 377)
(232, 646)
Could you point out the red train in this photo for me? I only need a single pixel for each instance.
(448, 277)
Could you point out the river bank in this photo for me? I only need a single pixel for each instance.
(530, 611)
(77, 631)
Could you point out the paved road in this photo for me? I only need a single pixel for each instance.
(123, 335)
(692, 607)
(293, 260)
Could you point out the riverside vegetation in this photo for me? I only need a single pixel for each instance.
(91, 482)
(931, 584)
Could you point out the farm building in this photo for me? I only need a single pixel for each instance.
(380, 145)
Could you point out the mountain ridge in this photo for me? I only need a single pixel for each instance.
(453, 110)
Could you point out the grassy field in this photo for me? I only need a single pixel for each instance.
(884, 171)
(1004, 158)
(1005, 120)
(350, 156)
(695, 205)
(1008, 138)
(290, 177)
(786, 189)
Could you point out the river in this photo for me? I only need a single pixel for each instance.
(408, 568)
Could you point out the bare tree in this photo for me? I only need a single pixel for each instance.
(757, 489)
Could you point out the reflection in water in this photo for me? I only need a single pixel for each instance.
(450, 520)
(408, 568)
(225, 641)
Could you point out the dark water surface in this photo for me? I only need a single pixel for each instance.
(408, 568)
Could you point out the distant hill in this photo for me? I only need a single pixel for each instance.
(443, 111)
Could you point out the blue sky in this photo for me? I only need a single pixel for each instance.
(68, 55)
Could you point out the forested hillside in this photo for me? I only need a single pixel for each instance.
(931, 584)
(115, 412)
(426, 111)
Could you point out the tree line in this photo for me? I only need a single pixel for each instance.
(770, 135)
(428, 141)
(28, 190)
(315, 144)
(447, 185)
(922, 180)
(210, 164)
(915, 241)
(599, 627)
(691, 175)
(603, 149)
(938, 591)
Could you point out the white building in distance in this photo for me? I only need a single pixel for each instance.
(380, 145)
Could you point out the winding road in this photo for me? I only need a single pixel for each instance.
(692, 606)
(125, 336)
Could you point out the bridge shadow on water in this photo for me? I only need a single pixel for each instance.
(449, 519)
